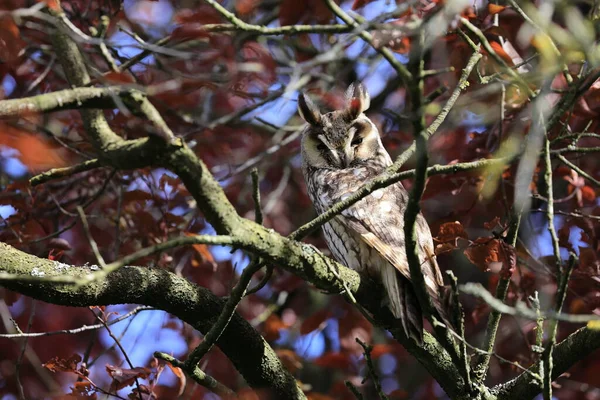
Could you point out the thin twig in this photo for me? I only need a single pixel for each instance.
(57, 173)
(488, 47)
(258, 215)
(480, 367)
(521, 310)
(354, 390)
(565, 68)
(201, 377)
(120, 346)
(74, 331)
(371, 372)
(461, 85)
(548, 351)
(19, 361)
(402, 71)
(90, 238)
(459, 322)
(578, 170)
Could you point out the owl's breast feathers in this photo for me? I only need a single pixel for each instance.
(377, 221)
(378, 218)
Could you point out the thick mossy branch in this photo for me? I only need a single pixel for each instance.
(242, 344)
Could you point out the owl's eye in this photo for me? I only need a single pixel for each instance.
(321, 147)
(357, 141)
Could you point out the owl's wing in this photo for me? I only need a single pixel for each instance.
(379, 220)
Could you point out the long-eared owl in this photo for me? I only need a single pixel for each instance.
(342, 150)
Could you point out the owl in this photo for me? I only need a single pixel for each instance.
(342, 150)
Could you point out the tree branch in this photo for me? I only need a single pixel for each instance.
(570, 351)
(298, 258)
(198, 375)
(246, 348)
(400, 69)
(76, 98)
(57, 173)
(481, 364)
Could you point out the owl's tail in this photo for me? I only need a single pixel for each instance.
(403, 303)
(442, 297)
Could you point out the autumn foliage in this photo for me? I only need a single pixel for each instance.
(226, 85)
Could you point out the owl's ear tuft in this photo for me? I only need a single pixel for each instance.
(308, 110)
(357, 101)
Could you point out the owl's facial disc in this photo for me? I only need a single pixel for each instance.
(339, 139)
(340, 146)
(365, 141)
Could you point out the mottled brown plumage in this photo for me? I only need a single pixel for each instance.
(341, 151)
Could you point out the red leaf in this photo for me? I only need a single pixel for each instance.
(353, 325)
(272, 326)
(53, 5)
(123, 377)
(589, 194)
(10, 297)
(35, 152)
(319, 11)
(143, 393)
(469, 13)
(244, 7)
(203, 251)
(203, 14)
(360, 3)
(563, 237)
(290, 360)
(399, 394)
(588, 258)
(502, 53)
(495, 8)
(10, 40)
(493, 254)
(58, 364)
(168, 179)
(333, 360)
(450, 232)
(380, 349)
(483, 252)
(314, 321)
(180, 377)
(137, 195)
(83, 390)
(119, 77)
(478, 312)
(492, 224)
(578, 306)
(189, 31)
(249, 394)
(291, 11)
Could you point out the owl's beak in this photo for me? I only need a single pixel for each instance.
(346, 156)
